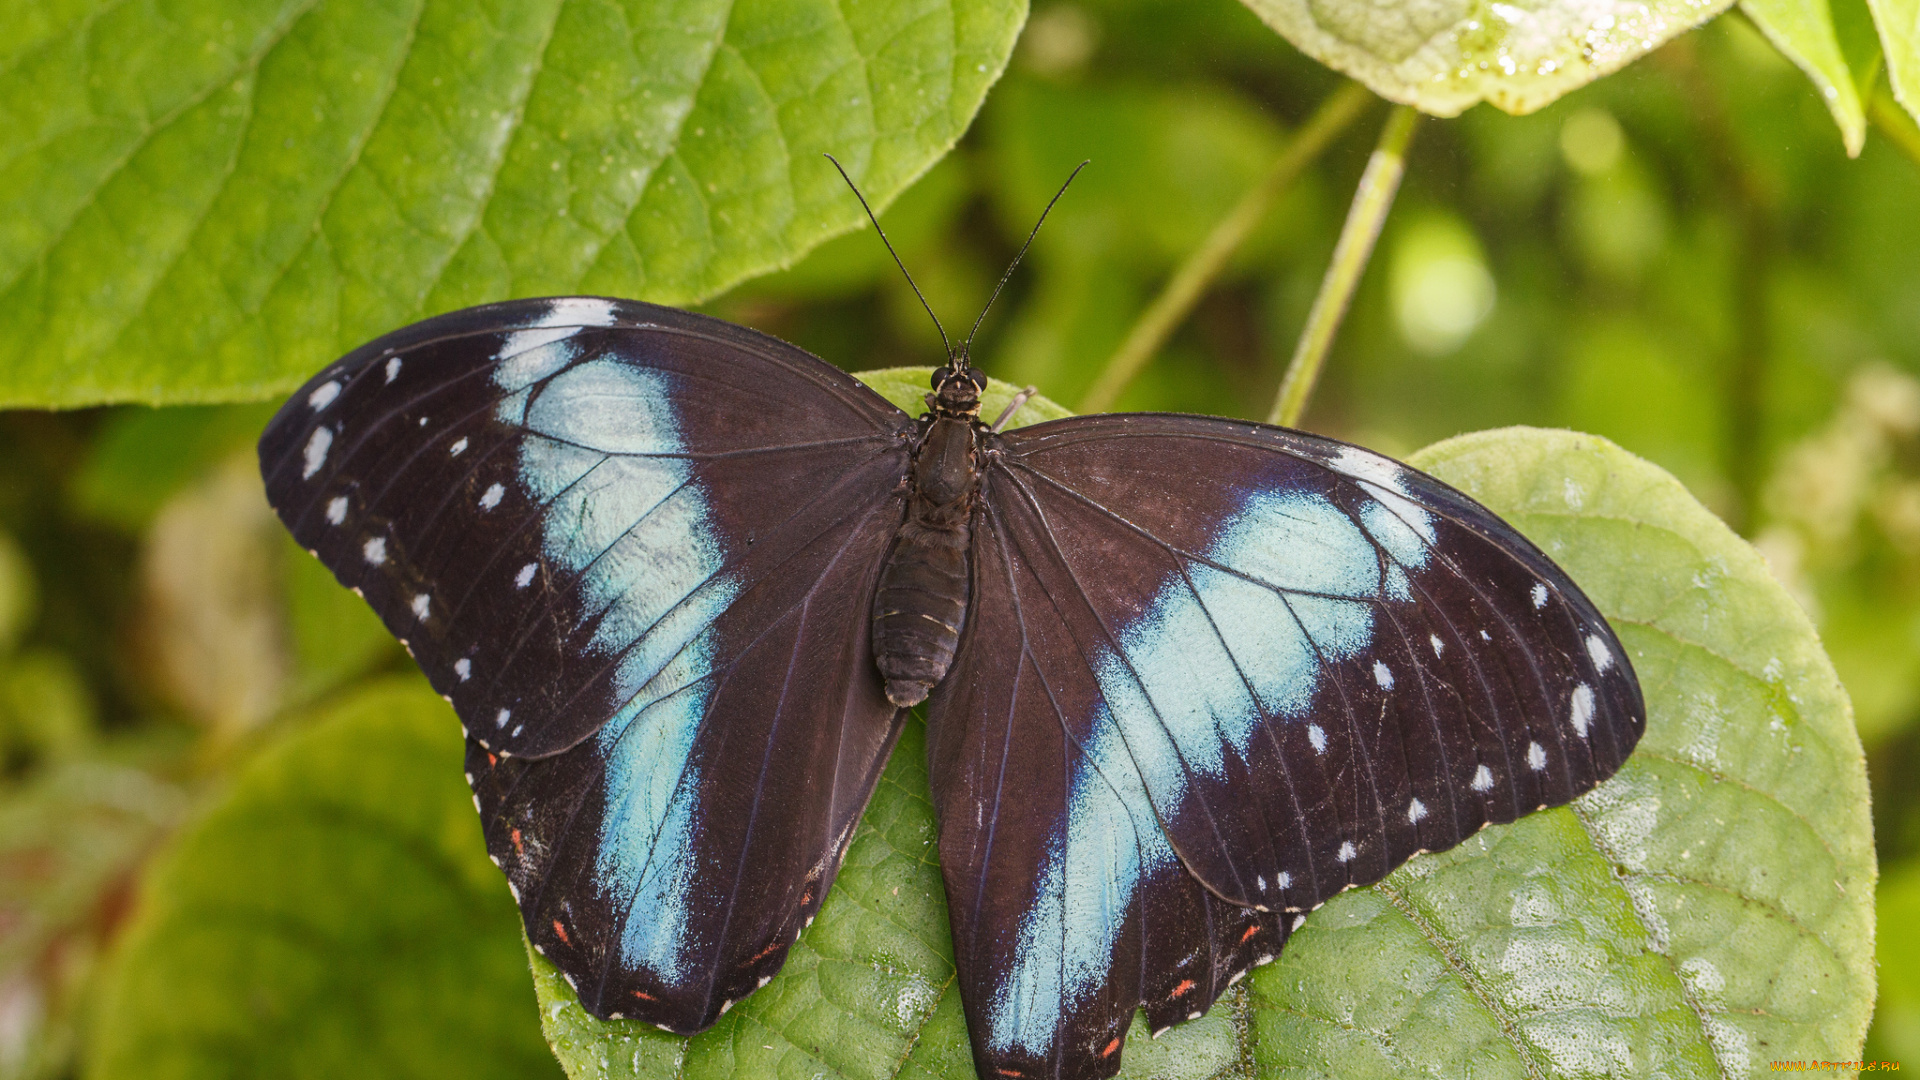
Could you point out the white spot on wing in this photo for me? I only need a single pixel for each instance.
(1597, 649)
(1261, 883)
(1370, 468)
(1318, 737)
(1536, 757)
(1284, 881)
(463, 667)
(1484, 636)
(1416, 810)
(1346, 852)
(324, 394)
(492, 496)
(459, 447)
(393, 369)
(1383, 675)
(1298, 922)
(336, 509)
(1438, 645)
(578, 311)
(317, 446)
(422, 605)
(1483, 779)
(1582, 708)
(375, 550)
(525, 577)
(563, 319)
(1539, 595)
(501, 719)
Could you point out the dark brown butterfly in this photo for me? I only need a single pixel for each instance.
(1190, 677)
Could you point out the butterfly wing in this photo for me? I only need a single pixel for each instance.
(1069, 907)
(1296, 662)
(633, 547)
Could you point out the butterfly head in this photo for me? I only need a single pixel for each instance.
(957, 387)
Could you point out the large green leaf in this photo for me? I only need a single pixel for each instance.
(1899, 25)
(207, 200)
(1804, 30)
(1445, 56)
(1705, 912)
(334, 914)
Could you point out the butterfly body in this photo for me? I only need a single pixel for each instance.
(920, 607)
(1186, 678)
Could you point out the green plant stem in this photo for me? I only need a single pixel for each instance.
(1894, 123)
(1183, 290)
(1371, 201)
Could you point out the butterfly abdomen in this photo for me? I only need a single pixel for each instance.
(921, 603)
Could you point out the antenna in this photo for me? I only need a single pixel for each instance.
(944, 343)
(964, 349)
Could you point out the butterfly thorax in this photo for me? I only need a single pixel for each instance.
(921, 603)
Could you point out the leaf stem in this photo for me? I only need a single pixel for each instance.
(1371, 201)
(1894, 123)
(1184, 288)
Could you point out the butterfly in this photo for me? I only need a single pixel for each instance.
(1185, 678)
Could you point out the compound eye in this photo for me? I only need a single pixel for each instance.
(977, 377)
(940, 375)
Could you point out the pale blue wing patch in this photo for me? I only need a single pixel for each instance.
(1287, 587)
(624, 521)
(1109, 843)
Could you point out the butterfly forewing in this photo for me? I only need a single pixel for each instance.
(633, 547)
(1302, 661)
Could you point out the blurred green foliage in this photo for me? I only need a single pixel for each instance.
(1680, 257)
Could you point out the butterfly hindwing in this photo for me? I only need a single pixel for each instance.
(633, 547)
(1299, 662)
(1070, 908)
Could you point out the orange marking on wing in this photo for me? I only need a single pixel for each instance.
(1185, 985)
(1111, 1047)
(1009, 1072)
(492, 761)
(1251, 930)
(764, 953)
(562, 931)
(644, 996)
(523, 851)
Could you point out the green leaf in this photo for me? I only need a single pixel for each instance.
(1804, 30)
(207, 200)
(1899, 24)
(907, 389)
(334, 914)
(1708, 910)
(1443, 57)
